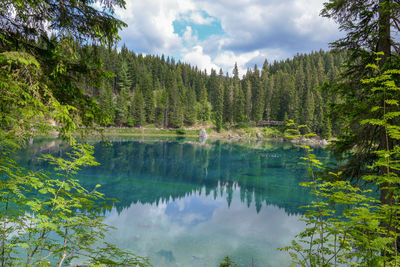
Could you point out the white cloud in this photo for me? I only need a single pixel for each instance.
(189, 37)
(227, 60)
(197, 17)
(150, 27)
(196, 57)
(254, 29)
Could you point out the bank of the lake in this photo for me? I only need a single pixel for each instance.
(232, 134)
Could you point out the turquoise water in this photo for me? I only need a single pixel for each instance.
(183, 203)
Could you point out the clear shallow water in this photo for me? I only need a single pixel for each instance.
(187, 204)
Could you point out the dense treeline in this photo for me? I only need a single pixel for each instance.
(158, 90)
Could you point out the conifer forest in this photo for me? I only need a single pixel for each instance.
(153, 89)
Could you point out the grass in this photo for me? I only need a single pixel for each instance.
(247, 132)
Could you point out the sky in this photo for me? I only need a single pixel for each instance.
(217, 33)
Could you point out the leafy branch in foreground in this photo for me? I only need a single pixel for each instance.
(45, 219)
(50, 219)
(346, 225)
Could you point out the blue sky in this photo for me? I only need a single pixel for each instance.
(218, 33)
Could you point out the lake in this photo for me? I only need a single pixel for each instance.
(183, 203)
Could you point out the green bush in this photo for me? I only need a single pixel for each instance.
(181, 131)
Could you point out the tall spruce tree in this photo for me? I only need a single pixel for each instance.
(239, 101)
(257, 95)
(369, 27)
(219, 106)
(123, 98)
(138, 112)
(204, 107)
(147, 88)
(190, 116)
(248, 100)
(219, 101)
(106, 102)
(174, 108)
(363, 139)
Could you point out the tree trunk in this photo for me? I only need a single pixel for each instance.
(384, 30)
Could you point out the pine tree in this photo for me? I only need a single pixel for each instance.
(269, 85)
(239, 109)
(123, 98)
(276, 97)
(257, 95)
(190, 116)
(376, 23)
(147, 88)
(174, 110)
(219, 106)
(106, 102)
(161, 108)
(212, 86)
(204, 107)
(372, 31)
(138, 108)
(228, 102)
(248, 100)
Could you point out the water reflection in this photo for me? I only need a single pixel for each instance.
(190, 204)
(154, 172)
(199, 231)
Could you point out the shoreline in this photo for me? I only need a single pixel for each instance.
(233, 134)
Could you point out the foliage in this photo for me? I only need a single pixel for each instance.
(181, 131)
(227, 263)
(177, 93)
(345, 225)
(46, 218)
(370, 27)
(58, 35)
(368, 24)
(49, 218)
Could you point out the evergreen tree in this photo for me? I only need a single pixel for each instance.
(364, 137)
(106, 102)
(123, 98)
(212, 86)
(257, 95)
(239, 109)
(276, 97)
(174, 108)
(146, 86)
(138, 108)
(204, 107)
(229, 102)
(190, 116)
(269, 85)
(370, 27)
(219, 106)
(161, 108)
(248, 100)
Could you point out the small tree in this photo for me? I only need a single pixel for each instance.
(227, 263)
